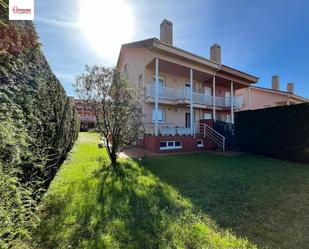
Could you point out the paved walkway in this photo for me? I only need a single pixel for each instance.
(135, 152)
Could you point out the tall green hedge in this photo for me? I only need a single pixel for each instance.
(280, 132)
(38, 126)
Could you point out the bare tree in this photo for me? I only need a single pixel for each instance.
(117, 106)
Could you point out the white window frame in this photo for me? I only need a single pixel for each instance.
(200, 145)
(160, 110)
(207, 91)
(172, 147)
(210, 115)
(228, 118)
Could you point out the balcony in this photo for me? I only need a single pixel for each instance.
(182, 95)
(166, 129)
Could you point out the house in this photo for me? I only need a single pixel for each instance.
(88, 118)
(259, 97)
(185, 92)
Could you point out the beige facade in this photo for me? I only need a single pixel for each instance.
(166, 72)
(258, 98)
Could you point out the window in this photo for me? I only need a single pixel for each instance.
(208, 90)
(177, 144)
(163, 145)
(161, 84)
(200, 143)
(125, 69)
(207, 116)
(160, 115)
(170, 145)
(140, 81)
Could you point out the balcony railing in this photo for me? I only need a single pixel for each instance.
(183, 94)
(166, 129)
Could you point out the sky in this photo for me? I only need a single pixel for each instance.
(262, 38)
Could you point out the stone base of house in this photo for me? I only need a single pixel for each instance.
(168, 144)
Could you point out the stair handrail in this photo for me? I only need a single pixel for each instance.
(214, 136)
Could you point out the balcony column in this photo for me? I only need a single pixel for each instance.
(157, 97)
(191, 102)
(214, 97)
(232, 102)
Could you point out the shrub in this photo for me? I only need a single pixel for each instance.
(38, 126)
(281, 132)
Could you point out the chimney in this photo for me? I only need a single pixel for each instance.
(290, 87)
(166, 32)
(215, 53)
(275, 82)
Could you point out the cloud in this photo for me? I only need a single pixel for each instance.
(54, 22)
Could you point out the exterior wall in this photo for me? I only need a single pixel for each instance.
(189, 144)
(87, 117)
(175, 81)
(138, 75)
(136, 60)
(262, 98)
(175, 116)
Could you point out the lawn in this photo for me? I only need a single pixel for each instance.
(185, 201)
(262, 199)
(91, 205)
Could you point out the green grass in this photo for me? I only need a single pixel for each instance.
(264, 200)
(91, 205)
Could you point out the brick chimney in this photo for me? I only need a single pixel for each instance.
(215, 53)
(275, 82)
(290, 87)
(166, 32)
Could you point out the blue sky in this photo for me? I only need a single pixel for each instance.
(262, 38)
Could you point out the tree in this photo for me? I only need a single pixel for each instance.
(117, 106)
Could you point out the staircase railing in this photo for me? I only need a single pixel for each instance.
(212, 134)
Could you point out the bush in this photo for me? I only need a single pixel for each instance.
(38, 126)
(280, 132)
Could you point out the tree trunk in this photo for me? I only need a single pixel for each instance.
(113, 158)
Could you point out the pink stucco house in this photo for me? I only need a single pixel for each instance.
(185, 92)
(259, 97)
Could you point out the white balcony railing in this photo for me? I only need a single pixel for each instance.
(183, 93)
(167, 129)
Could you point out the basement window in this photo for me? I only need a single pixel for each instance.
(200, 143)
(170, 145)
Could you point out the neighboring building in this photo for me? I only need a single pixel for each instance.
(184, 90)
(88, 119)
(260, 97)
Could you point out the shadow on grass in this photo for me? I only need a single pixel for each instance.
(262, 199)
(126, 207)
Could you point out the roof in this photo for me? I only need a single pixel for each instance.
(279, 92)
(150, 43)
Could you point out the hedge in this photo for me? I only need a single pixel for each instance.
(280, 132)
(38, 126)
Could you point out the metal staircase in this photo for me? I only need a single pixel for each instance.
(212, 134)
